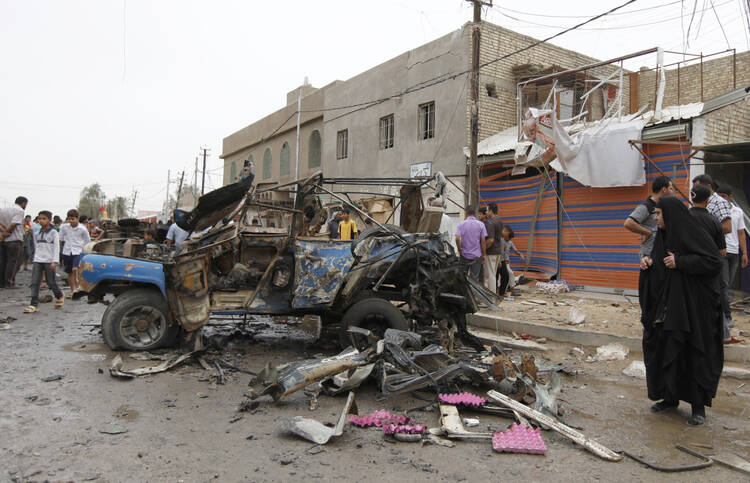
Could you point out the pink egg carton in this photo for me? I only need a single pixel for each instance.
(462, 398)
(379, 418)
(401, 428)
(519, 439)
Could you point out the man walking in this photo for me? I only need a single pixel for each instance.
(74, 236)
(11, 241)
(722, 211)
(494, 247)
(471, 243)
(642, 221)
(736, 245)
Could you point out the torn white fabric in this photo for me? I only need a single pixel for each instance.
(601, 156)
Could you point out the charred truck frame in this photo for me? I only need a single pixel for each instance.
(390, 276)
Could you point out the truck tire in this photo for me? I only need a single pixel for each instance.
(137, 320)
(107, 334)
(373, 314)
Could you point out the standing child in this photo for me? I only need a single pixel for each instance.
(46, 254)
(508, 247)
(75, 236)
(347, 228)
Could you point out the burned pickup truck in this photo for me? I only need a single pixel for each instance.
(388, 277)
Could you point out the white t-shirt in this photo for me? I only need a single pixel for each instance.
(177, 235)
(738, 223)
(74, 238)
(10, 215)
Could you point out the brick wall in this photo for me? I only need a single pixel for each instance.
(718, 78)
(730, 124)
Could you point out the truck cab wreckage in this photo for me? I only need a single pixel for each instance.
(398, 277)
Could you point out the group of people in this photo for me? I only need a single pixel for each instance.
(342, 227)
(689, 256)
(45, 242)
(484, 244)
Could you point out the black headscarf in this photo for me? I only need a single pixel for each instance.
(681, 233)
(680, 313)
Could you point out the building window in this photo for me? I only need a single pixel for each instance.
(342, 144)
(233, 172)
(267, 163)
(386, 132)
(313, 150)
(252, 163)
(427, 121)
(491, 89)
(284, 159)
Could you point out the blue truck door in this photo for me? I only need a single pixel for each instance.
(320, 270)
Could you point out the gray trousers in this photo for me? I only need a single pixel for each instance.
(36, 280)
(474, 266)
(11, 253)
(726, 263)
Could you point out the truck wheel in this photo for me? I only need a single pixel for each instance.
(137, 320)
(107, 334)
(373, 314)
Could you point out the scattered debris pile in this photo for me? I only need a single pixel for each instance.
(403, 361)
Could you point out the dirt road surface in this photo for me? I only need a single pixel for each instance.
(183, 426)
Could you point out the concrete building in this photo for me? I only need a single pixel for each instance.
(408, 116)
(270, 143)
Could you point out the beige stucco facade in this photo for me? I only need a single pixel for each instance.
(271, 134)
(434, 72)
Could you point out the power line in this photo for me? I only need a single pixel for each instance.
(620, 27)
(445, 77)
(497, 7)
(729, 46)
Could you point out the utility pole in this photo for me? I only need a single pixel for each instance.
(132, 205)
(195, 177)
(169, 173)
(473, 193)
(296, 155)
(179, 190)
(203, 183)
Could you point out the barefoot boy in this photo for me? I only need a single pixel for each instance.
(46, 254)
(75, 237)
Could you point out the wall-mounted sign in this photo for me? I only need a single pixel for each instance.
(420, 170)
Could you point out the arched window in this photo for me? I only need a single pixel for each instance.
(267, 162)
(313, 150)
(233, 172)
(284, 168)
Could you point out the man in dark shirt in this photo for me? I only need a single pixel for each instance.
(494, 247)
(333, 225)
(700, 195)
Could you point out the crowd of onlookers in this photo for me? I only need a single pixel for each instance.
(713, 211)
(689, 258)
(40, 245)
(484, 244)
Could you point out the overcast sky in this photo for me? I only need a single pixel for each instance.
(120, 91)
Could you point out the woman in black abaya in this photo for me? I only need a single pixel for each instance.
(679, 296)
